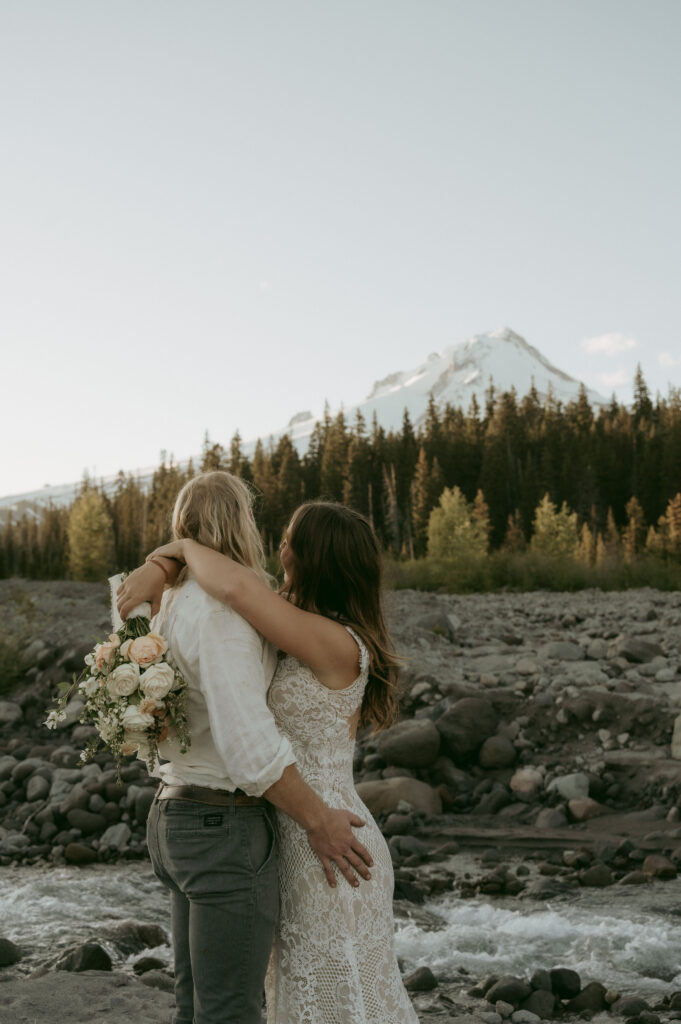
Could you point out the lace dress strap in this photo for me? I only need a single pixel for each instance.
(363, 652)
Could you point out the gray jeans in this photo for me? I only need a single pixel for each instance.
(220, 865)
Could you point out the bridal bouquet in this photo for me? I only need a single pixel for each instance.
(134, 694)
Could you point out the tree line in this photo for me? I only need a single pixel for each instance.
(612, 474)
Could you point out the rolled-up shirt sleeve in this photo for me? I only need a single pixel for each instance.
(232, 680)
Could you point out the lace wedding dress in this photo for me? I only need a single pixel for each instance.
(333, 961)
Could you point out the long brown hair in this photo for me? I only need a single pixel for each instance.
(336, 571)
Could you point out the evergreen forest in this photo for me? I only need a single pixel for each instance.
(513, 483)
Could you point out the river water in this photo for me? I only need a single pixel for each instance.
(628, 938)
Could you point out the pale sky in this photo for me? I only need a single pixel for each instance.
(217, 213)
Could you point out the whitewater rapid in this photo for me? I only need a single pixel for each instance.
(628, 938)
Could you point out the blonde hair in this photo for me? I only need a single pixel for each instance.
(216, 509)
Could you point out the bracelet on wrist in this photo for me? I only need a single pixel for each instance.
(157, 562)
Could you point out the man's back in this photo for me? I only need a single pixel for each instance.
(228, 667)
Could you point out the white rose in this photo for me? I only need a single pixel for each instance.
(124, 680)
(157, 681)
(135, 720)
(89, 686)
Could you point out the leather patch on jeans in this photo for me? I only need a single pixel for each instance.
(212, 820)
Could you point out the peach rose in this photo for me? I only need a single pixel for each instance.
(105, 654)
(149, 706)
(147, 650)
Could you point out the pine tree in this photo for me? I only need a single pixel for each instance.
(213, 456)
(555, 530)
(643, 406)
(586, 548)
(334, 459)
(91, 539)
(289, 479)
(634, 533)
(426, 488)
(453, 532)
(514, 538)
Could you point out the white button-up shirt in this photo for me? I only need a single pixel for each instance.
(228, 667)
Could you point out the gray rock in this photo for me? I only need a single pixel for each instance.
(597, 650)
(466, 726)
(570, 786)
(65, 757)
(9, 953)
(10, 713)
(23, 769)
(630, 1006)
(72, 713)
(420, 980)
(115, 837)
(565, 984)
(79, 853)
(7, 766)
(525, 1017)
(90, 956)
(411, 744)
(158, 979)
(384, 795)
(562, 650)
(597, 876)
(37, 788)
(542, 1002)
(633, 648)
(132, 936)
(444, 623)
(510, 990)
(140, 799)
(541, 979)
(148, 963)
(497, 752)
(592, 997)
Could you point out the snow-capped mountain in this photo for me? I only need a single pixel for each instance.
(460, 371)
(453, 375)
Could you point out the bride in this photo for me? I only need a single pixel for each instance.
(333, 960)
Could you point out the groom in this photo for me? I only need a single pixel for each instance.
(211, 827)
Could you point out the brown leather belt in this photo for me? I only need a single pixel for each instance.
(205, 795)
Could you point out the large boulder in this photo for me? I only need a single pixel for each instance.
(410, 744)
(563, 650)
(383, 795)
(132, 936)
(466, 725)
(634, 648)
(89, 956)
(571, 786)
(497, 752)
(9, 953)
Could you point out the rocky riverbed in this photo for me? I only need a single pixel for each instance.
(537, 760)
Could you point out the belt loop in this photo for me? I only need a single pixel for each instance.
(232, 803)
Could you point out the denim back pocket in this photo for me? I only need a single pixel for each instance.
(194, 820)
